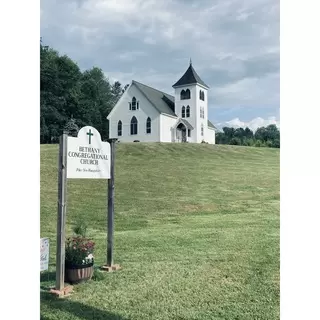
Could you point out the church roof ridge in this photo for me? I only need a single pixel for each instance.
(170, 95)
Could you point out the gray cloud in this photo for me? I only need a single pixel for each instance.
(234, 44)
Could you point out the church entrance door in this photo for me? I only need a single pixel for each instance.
(184, 135)
(182, 132)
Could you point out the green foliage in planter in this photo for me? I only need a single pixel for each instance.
(80, 228)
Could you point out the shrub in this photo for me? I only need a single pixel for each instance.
(235, 141)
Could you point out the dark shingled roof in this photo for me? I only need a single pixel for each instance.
(210, 125)
(162, 101)
(190, 77)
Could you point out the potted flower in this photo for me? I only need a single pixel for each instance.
(79, 258)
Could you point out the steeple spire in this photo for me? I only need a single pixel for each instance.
(189, 77)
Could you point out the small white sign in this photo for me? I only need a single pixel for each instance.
(88, 157)
(44, 254)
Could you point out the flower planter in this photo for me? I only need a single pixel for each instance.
(78, 273)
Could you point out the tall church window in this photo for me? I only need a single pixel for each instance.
(134, 126)
(119, 128)
(148, 125)
(134, 105)
(188, 94)
(202, 129)
(202, 112)
(183, 112)
(182, 95)
(201, 95)
(188, 111)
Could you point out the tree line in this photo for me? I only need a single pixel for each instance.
(263, 137)
(71, 99)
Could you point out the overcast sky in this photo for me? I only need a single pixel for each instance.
(234, 46)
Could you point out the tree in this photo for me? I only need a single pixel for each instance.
(71, 128)
(264, 137)
(59, 81)
(248, 133)
(229, 132)
(125, 88)
(221, 138)
(96, 100)
(261, 134)
(116, 91)
(239, 133)
(66, 92)
(235, 141)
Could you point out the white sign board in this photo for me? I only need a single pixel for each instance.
(87, 156)
(44, 254)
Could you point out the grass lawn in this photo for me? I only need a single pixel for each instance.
(196, 233)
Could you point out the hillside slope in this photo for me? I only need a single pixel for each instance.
(196, 225)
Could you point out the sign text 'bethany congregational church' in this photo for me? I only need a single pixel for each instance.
(87, 156)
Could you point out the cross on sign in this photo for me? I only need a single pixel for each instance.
(89, 134)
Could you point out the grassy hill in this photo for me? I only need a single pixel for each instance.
(196, 232)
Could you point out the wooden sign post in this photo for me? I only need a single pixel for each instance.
(110, 266)
(61, 221)
(83, 157)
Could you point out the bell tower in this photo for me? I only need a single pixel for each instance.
(191, 104)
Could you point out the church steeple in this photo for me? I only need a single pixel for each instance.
(190, 77)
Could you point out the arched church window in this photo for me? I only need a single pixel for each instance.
(134, 126)
(201, 95)
(185, 94)
(202, 129)
(188, 111)
(148, 125)
(183, 112)
(119, 128)
(134, 104)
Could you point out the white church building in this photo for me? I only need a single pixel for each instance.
(146, 114)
